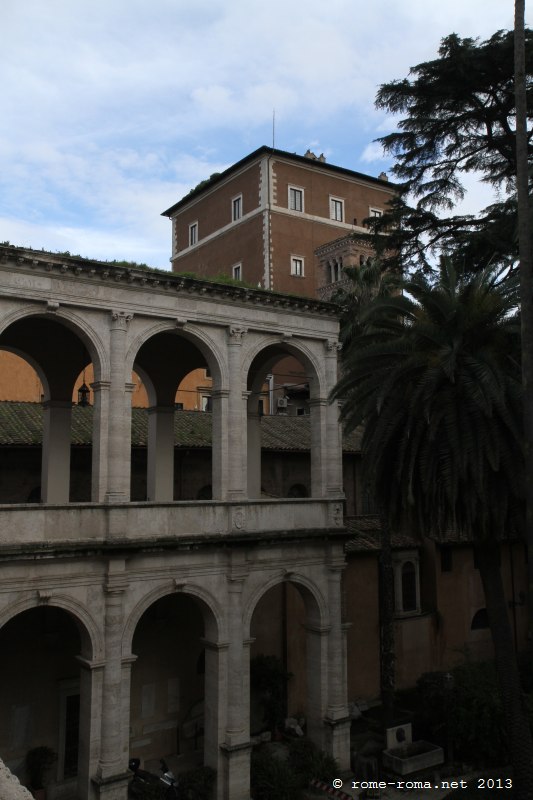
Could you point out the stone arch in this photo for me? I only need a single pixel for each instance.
(75, 323)
(198, 664)
(211, 611)
(192, 333)
(90, 635)
(309, 658)
(37, 335)
(294, 347)
(315, 603)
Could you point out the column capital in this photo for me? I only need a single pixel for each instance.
(236, 334)
(235, 583)
(116, 584)
(99, 386)
(216, 394)
(317, 401)
(90, 664)
(120, 320)
(333, 346)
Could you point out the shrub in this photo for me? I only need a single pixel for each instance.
(273, 779)
(308, 761)
(471, 708)
(197, 784)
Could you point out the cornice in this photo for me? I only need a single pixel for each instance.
(72, 268)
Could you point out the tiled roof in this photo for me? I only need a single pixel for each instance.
(366, 532)
(21, 424)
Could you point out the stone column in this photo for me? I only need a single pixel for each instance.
(220, 446)
(236, 421)
(112, 775)
(326, 437)
(337, 717)
(160, 479)
(236, 747)
(317, 407)
(99, 451)
(119, 436)
(55, 481)
(215, 711)
(91, 676)
(317, 690)
(253, 447)
(333, 429)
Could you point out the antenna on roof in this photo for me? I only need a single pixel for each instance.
(273, 128)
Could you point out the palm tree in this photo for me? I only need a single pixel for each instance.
(367, 282)
(434, 377)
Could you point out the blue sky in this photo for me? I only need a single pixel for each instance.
(113, 110)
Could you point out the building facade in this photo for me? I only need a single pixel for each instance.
(126, 627)
(262, 220)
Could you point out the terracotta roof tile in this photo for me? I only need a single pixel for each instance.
(21, 424)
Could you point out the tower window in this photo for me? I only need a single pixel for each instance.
(296, 199)
(336, 209)
(297, 266)
(193, 234)
(236, 208)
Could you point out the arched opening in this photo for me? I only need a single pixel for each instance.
(281, 420)
(47, 434)
(43, 700)
(173, 709)
(285, 662)
(173, 461)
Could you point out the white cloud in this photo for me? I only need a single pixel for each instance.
(112, 111)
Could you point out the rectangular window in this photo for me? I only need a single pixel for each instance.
(237, 272)
(236, 208)
(297, 266)
(296, 199)
(193, 234)
(206, 402)
(375, 212)
(336, 209)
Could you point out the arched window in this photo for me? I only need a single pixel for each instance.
(406, 582)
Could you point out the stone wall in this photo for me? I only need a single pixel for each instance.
(10, 787)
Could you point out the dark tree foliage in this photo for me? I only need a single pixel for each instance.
(458, 117)
(434, 377)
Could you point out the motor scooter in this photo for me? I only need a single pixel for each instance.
(147, 786)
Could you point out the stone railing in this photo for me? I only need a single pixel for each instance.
(23, 526)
